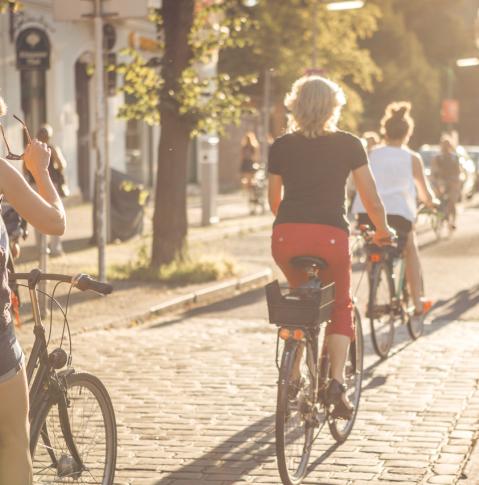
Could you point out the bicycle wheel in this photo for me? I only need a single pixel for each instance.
(380, 309)
(90, 426)
(340, 428)
(294, 432)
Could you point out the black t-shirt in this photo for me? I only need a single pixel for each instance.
(314, 173)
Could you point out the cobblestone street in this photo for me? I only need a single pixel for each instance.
(195, 404)
(195, 394)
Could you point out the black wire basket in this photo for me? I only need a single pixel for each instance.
(299, 306)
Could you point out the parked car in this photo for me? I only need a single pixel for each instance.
(473, 151)
(469, 174)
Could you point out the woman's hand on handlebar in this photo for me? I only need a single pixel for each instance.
(384, 237)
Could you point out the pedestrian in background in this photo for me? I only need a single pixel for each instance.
(446, 177)
(249, 158)
(56, 170)
(371, 139)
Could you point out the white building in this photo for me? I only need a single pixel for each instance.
(45, 76)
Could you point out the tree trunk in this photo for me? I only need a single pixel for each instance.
(170, 224)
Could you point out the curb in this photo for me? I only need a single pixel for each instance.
(207, 296)
(195, 299)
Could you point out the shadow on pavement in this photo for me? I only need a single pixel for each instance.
(239, 455)
(455, 307)
(30, 253)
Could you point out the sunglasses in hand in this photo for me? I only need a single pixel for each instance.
(10, 155)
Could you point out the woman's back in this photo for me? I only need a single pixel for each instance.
(392, 168)
(314, 173)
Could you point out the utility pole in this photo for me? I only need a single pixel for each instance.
(266, 113)
(101, 143)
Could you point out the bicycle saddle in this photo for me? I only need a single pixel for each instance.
(308, 262)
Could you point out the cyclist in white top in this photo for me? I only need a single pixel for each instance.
(400, 179)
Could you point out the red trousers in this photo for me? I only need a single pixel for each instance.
(329, 243)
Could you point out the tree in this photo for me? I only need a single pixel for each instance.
(185, 102)
(291, 34)
(14, 5)
(414, 54)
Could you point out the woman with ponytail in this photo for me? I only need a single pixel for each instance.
(400, 179)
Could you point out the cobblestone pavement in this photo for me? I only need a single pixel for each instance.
(195, 399)
(195, 395)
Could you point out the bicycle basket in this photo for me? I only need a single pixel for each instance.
(299, 306)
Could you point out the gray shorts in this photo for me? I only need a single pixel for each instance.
(11, 354)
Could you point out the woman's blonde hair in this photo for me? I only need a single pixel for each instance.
(315, 105)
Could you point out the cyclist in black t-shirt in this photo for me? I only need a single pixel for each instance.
(312, 163)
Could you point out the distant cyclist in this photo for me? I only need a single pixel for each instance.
(446, 177)
(311, 163)
(400, 179)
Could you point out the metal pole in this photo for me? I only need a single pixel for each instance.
(314, 56)
(42, 300)
(266, 113)
(100, 142)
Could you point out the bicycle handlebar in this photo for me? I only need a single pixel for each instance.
(81, 281)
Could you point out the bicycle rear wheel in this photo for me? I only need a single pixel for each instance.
(340, 428)
(89, 429)
(415, 326)
(294, 432)
(380, 309)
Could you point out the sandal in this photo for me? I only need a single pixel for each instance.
(336, 396)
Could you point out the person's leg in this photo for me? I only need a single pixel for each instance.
(413, 271)
(15, 461)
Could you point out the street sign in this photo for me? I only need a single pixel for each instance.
(33, 50)
(450, 111)
(69, 10)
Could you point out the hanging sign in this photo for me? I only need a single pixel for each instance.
(33, 49)
(450, 111)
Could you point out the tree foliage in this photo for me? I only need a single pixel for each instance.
(415, 45)
(291, 34)
(207, 101)
(15, 5)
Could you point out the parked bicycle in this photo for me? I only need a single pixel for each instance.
(302, 411)
(73, 437)
(389, 299)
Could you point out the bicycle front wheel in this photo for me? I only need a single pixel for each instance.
(340, 428)
(380, 309)
(87, 430)
(294, 432)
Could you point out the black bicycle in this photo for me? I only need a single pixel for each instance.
(73, 437)
(304, 370)
(389, 299)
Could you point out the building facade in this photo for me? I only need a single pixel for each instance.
(46, 76)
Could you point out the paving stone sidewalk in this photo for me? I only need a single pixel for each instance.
(195, 405)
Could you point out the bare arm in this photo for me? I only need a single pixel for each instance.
(425, 192)
(366, 187)
(275, 192)
(44, 210)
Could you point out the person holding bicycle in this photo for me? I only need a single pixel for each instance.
(446, 177)
(400, 179)
(44, 210)
(312, 163)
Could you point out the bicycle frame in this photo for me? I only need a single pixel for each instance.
(47, 385)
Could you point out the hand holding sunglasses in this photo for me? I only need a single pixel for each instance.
(37, 154)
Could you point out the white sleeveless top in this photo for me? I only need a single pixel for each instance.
(393, 172)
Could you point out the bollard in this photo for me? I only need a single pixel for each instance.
(208, 153)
